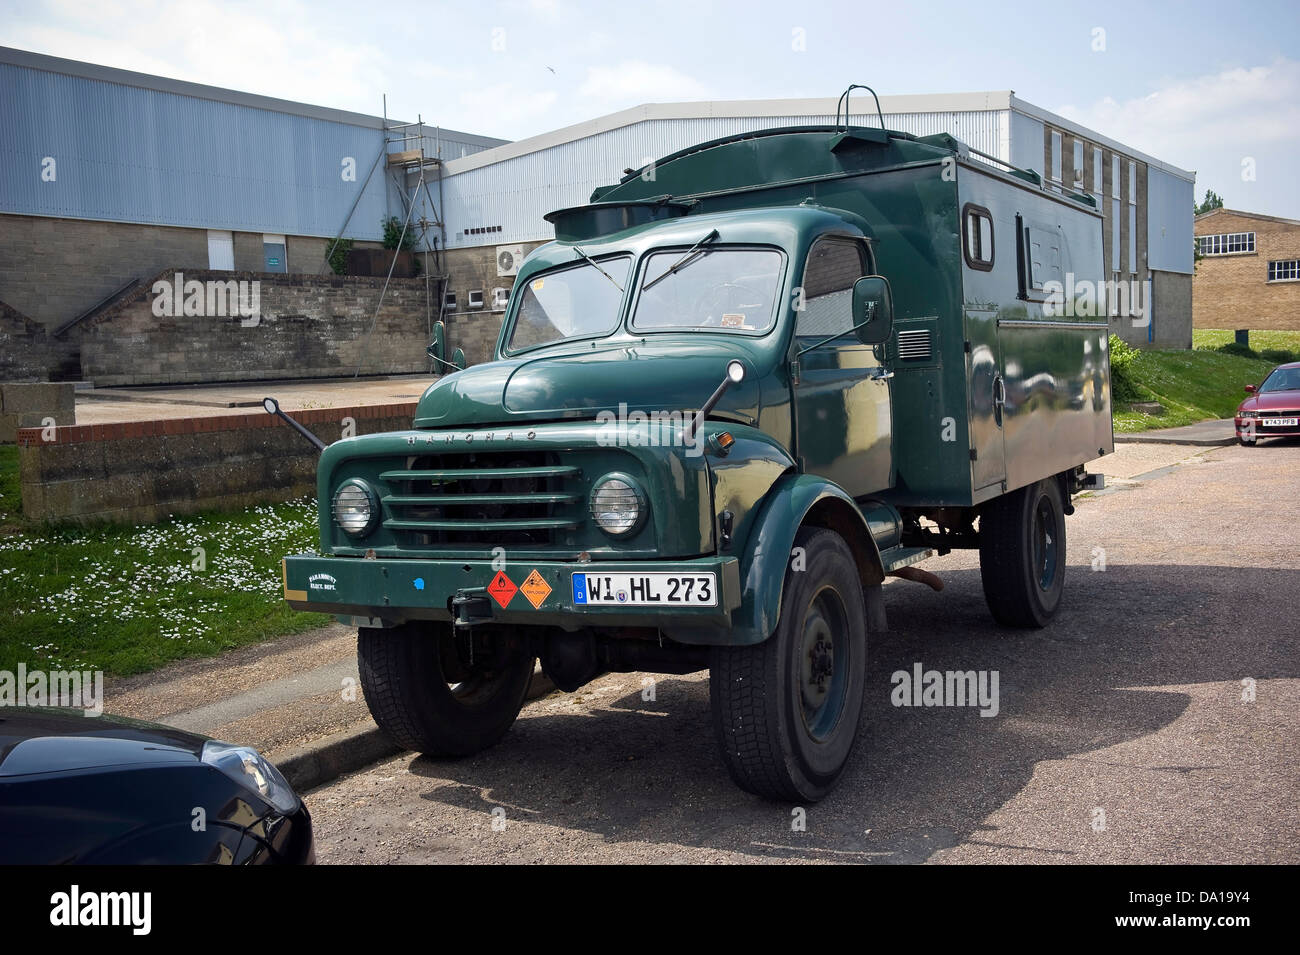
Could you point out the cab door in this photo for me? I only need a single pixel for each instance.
(843, 421)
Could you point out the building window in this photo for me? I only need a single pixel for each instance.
(1056, 157)
(1132, 238)
(476, 298)
(1114, 175)
(500, 297)
(1133, 183)
(1284, 271)
(978, 247)
(1098, 170)
(1227, 243)
(1114, 235)
(1078, 163)
(449, 301)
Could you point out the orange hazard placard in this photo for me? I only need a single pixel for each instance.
(536, 589)
(502, 588)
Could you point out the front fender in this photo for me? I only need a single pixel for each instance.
(794, 501)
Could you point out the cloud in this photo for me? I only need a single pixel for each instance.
(633, 82)
(1237, 109)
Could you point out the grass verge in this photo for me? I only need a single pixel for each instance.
(125, 599)
(1191, 385)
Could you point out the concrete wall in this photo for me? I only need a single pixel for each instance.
(1233, 291)
(26, 351)
(52, 269)
(476, 330)
(144, 471)
(307, 327)
(29, 405)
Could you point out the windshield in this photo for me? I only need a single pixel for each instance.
(728, 289)
(578, 301)
(1282, 379)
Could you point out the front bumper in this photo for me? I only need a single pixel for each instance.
(389, 591)
(1260, 428)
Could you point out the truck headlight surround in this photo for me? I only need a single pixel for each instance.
(355, 507)
(618, 504)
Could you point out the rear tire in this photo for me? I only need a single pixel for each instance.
(1022, 554)
(411, 693)
(786, 711)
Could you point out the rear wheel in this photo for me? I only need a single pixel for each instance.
(1022, 554)
(430, 696)
(786, 711)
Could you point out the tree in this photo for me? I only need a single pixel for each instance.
(1212, 201)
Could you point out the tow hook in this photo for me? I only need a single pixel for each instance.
(470, 607)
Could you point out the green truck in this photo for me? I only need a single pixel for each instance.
(743, 386)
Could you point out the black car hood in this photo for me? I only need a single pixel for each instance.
(49, 740)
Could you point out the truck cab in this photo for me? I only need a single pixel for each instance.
(718, 417)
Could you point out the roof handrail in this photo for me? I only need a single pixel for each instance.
(844, 102)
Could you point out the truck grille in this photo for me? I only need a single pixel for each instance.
(483, 500)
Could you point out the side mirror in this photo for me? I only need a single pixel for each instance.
(1250, 389)
(873, 309)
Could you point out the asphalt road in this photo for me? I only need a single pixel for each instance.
(1121, 735)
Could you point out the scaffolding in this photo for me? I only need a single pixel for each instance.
(410, 167)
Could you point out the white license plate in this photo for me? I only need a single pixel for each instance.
(1278, 422)
(645, 590)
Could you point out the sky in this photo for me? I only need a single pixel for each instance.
(1209, 87)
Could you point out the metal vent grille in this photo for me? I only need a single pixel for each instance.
(914, 345)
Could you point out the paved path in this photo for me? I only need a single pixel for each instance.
(1203, 433)
(108, 405)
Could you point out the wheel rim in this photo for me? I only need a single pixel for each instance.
(1046, 545)
(823, 662)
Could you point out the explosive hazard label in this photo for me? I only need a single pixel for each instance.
(536, 589)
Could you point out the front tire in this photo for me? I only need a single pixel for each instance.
(786, 711)
(1022, 555)
(426, 698)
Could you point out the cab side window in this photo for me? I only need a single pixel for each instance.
(834, 264)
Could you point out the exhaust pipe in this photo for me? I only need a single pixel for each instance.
(919, 576)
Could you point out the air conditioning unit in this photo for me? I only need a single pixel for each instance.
(508, 259)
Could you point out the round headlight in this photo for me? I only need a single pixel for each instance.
(355, 508)
(617, 505)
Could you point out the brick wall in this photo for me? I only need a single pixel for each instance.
(144, 471)
(308, 327)
(1233, 291)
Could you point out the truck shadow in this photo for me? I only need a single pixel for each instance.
(922, 779)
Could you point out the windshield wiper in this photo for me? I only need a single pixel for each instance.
(693, 253)
(598, 268)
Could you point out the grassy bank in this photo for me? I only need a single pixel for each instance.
(1259, 341)
(1191, 385)
(128, 599)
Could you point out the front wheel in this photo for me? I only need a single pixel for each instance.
(1022, 554)
(430, 696)
(786, 711)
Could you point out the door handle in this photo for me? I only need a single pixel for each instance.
(882, 375)
(999, 398)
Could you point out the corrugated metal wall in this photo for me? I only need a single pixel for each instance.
(516, 193)
(130, 154)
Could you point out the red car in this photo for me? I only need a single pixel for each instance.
(1273, 408)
